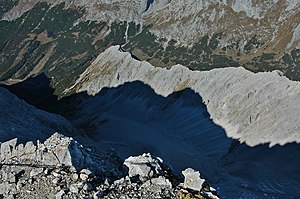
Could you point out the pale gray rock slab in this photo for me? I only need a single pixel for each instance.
(75, 176)
(56, 180)
(86, 171)
(7, 148)
(36, 171)
(9, 177)
(161, 182)
(60, 194)
(143, 166)
(157, 184)
(83, 176)
(63, 150)
(192, 179)
(74, 189)
(6, 187)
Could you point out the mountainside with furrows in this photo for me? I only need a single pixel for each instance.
(253, 108)
(64, 37)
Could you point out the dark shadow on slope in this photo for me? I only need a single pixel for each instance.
(133, 119)
(262, 172)
(35, 91)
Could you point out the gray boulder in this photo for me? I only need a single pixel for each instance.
(36, 171)
(192, 179)
(143, 166)
(7, 149)
(63, 150)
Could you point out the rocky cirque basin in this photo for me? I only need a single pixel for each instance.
(165, 96)
(133, 119)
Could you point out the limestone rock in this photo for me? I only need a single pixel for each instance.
(192, 179)
(143, 166)
(7, 148)
(60, 194)
(83, 176)
(64, 151)
(53, 179)
(162, 182)
(36, 171)
(9, 177)
(74, 188)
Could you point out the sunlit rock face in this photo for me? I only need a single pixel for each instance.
(254, 108)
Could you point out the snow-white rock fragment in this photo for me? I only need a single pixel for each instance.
(192, 179)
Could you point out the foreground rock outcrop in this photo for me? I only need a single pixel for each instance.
(256, 108)
(62, 168)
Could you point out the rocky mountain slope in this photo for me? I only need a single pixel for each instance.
(184, 80)
(253, 108)
(201, 35)
(176, 128)
(62, 168)
(21, 120)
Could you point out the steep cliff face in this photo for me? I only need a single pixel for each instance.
(201, 35)
(254, 108)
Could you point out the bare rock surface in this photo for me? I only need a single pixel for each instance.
(51, 176)
(256, 108)
(143, 166)
(192, 179)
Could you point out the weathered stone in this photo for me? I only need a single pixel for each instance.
(72, 169)
(30, 181)
(20, 150)
(36, 171)
(156, 185)
(56, 180)
(143, 166)
(86, 171)
(29, 148)
(9, 177)
(11, 196)
(192, 179)
(74, 189)
(60, 194)
(56, 174)
(7, 148)
(162, 182)
(6, 188)
(46, 172)
(64, 151)
(75, 176)
(83, 176)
